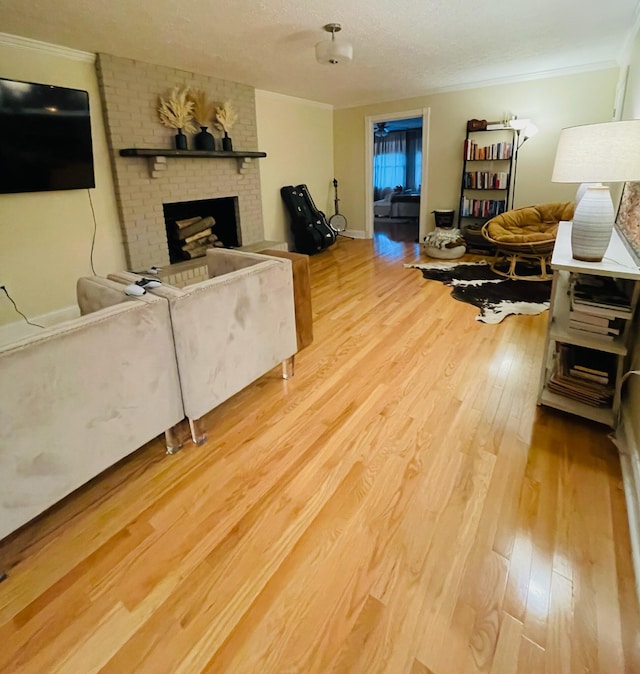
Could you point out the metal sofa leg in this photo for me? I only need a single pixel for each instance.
(288, 369)
(198, 434)
(173, 439)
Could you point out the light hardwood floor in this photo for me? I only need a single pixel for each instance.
(401, 505)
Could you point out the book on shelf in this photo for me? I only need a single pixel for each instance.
(485, 180)
(586, 317)
(601, 304)
(603, 336)
(590, 370)
(611, 329)
(592, 360)
(473, 152)
(591, 386)
(481, 208)
(600, 291)
(602, 312)
(583, 374)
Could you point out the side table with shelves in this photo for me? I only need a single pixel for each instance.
(562, 339)
(485, 184)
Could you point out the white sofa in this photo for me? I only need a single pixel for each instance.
(80, 396)
(230, 329)
(397, 204)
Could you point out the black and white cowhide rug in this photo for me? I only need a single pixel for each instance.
(496, 296)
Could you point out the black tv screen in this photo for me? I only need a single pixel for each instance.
(45, 138)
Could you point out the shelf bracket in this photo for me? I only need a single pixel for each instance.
(243, 165)
(157, 166)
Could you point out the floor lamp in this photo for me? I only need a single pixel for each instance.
(524, 130)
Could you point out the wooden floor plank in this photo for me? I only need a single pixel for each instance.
(400, 506)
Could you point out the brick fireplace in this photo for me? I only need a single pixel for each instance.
(130, 91)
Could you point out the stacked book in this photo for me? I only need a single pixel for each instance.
(485, 180)
(481, 208)
(587, 375)
(472, 151)
(599, 306)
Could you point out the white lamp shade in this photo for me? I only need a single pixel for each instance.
(332, 52)
(607, 152)
(519, 124)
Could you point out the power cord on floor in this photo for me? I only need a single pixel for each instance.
(15, 306)
(617, 263)
(612, 435)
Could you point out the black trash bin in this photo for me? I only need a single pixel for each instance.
(444, 217)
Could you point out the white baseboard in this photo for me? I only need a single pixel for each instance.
(356, 233)
(12, 332)
(630, 464)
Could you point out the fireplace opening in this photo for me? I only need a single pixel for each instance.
(194, 226)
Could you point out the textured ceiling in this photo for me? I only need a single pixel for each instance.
(401, 49)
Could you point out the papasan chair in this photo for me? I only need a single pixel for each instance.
(526, 235)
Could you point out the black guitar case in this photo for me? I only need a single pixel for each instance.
(327, 231)
(311, 234)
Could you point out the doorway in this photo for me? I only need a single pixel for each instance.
(396, 174)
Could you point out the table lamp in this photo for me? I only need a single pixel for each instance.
(596, 153)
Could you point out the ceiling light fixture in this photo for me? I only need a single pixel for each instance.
(332, 52)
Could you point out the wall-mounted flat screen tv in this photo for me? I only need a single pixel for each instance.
(45, 138)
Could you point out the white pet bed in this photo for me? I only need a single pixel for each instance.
(444, 244)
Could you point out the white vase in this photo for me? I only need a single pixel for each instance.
(592, 225)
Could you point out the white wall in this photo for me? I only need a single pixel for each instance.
(45, 237)
(551, 103)
(297, 136)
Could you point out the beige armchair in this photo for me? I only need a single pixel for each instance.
(230, 329)
(80, 396)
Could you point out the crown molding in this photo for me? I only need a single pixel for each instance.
(514, 79)
(53, 49)
(624, 58)
(293, 99)
(541, 75)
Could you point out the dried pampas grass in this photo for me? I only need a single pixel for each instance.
(225, 117)
(177, 111)
(202, 108)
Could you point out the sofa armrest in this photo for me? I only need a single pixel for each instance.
(77, 398)
(223, 260)
(232, 329)
(94, 293)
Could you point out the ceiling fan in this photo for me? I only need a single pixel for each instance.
(380, 129)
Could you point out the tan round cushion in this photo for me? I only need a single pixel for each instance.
(529, 224)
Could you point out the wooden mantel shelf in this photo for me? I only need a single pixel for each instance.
(144, 152)
(159, 157)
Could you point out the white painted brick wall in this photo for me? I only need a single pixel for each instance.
(130, 91)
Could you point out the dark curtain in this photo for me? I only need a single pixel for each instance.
(397, 160)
